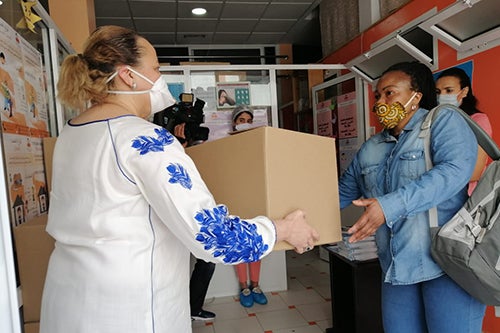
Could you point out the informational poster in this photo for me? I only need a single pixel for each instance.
(338, 115)
(347, 117)
(348, 129)
(208, 96)
(12, 92)
(231, 94)
(24, 122)
(326, 118)
(176, 89)
(467, 67)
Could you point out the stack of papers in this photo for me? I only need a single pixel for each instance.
(365, 249)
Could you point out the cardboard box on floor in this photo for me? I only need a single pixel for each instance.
(33, 248)
(31, 327)
(48, 152)
(271, 171)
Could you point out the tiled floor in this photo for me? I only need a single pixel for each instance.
(304, 308)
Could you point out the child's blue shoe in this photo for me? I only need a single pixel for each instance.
(258, 296)
(246, 298)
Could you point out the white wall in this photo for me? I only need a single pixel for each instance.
(272, 277)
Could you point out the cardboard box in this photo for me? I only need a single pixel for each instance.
(33, 248)
(32, 327)
(48, 152)
(271, 171)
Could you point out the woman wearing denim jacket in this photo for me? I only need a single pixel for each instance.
(388, 178)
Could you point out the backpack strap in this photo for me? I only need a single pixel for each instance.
(425, 133)
(483, 139)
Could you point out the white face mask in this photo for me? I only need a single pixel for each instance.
(448, 99)
(159, 95)
(244, 126)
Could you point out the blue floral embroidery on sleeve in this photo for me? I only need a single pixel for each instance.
(229, 236)
(145, 144)
(179, 175)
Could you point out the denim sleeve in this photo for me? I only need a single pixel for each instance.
(454, 153)
(349, 189)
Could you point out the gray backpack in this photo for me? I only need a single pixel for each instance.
(468, 246)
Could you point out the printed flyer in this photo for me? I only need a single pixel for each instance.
(24, 122)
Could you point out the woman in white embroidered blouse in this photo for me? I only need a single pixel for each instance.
(128, 205)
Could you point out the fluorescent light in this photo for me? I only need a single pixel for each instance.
(199, 11)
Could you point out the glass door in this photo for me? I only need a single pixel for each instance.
(339, 112)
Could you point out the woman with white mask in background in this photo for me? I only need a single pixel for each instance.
(242, 118)
(453, 86)
(127, 204)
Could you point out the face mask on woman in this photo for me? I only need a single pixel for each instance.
(159, 95)
(449, 99)
(390, 115)
(242, 127)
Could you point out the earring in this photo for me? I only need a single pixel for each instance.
(413, 107)
(134, 85)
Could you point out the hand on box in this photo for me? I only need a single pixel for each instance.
(294, 229)
(371, 219)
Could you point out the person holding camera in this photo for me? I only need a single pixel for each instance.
(128, 205)
(188, 114)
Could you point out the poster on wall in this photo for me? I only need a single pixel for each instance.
(34, 87)
(348, 139)
(231, 94)
(13, 102)
(176, 89)
(467, 67)
(25, 176)
(207, 95)
(24, 122)
(347, 116)
(326, 118)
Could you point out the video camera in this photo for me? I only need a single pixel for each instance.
(185, 112)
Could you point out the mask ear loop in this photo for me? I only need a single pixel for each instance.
(411, 98)
(465, 92)
(111, 77)
(134, 84)
(140, 75)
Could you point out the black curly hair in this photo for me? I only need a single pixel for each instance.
(421, 81)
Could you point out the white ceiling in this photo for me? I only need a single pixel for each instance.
(235, 22)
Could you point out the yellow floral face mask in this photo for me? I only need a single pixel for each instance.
(390, 115)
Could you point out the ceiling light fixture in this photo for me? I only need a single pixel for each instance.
(199, 11)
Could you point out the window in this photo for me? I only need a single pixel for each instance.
(371, 64)
(409, 43)
(469, 26)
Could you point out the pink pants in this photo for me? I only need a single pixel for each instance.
(242, 272)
